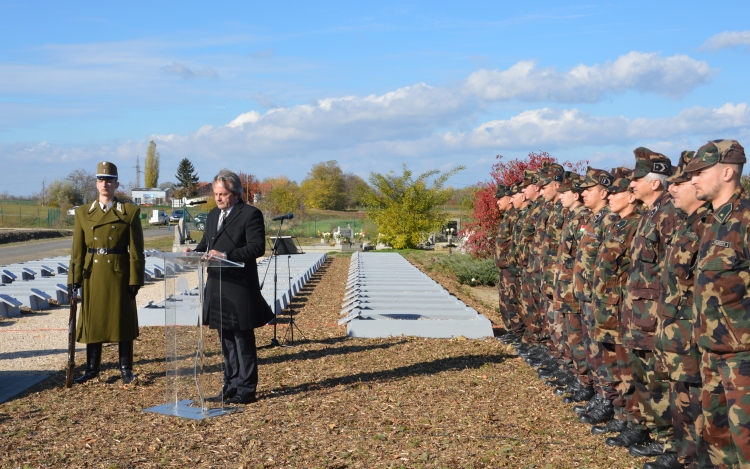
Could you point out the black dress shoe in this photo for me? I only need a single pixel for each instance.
(242, 399)
(648, 449)
(613, 426)
(602, 412)
(628, 437)
(222, 396)
(665, 461)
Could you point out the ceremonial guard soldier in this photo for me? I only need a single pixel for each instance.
(107, 261)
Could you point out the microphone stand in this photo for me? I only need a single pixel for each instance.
(275, 341)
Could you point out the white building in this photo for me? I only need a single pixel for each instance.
(152, 196)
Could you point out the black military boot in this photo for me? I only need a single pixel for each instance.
(602, 412)
(93, 363)
(572, 387)
(613, 426)
(628, 437)
(646, 449)
(589, 406)
(586, 393)
(560, 378)
(126, 361)
(665, 461)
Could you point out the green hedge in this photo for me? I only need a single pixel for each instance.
(470, 271)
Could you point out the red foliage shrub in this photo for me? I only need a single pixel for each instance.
(480, 231)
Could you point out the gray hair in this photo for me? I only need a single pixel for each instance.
(662, 178)
(230, 181)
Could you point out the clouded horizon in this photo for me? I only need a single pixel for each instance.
(273, 91)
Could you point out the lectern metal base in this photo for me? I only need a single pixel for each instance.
(185, 410)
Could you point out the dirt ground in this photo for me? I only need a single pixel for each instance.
(328, 401)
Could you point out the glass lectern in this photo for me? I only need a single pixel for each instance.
(192, 374)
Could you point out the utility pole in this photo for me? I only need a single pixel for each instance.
(137, 171)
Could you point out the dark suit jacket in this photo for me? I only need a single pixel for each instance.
(233, 300)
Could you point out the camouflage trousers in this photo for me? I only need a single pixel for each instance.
(558, 333)
(687, 419)
(509, 294)
(651, 387)
(626, 404)
(531, 307)
(726, 408)
(576, 349)
(600, 359)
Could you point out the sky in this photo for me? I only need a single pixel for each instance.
(271, 89)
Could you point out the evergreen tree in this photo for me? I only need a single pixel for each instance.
(187, 180)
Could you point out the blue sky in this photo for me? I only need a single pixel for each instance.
(273, 89)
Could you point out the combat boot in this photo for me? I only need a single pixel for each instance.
(628, 437)
(574, 386)
(93, 363)
(126, 362)
(665, 461)
(560, 378)
(586, 393)
(602, 412)
(613, 426)
(589, 406)
(646, 449)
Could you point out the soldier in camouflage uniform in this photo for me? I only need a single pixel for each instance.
(639, 314)
(532, 312)
(563, 300)
(722, 302)
(508, 307)
(674, 333)
(513, 271)
(598, 221)
(609, 281)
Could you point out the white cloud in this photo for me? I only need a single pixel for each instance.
(554, 128)
(187, 73)
(672, 76)
(728, 39)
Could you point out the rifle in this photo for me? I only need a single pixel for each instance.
(71, 337)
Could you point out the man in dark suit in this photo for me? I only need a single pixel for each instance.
(233, 303)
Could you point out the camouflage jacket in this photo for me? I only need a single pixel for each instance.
(610, 278)
(550, 246)
(537, 249)
(641, 301)
(722, 279)
(516, 246)
(527, 253)
(593, 231)
(503, 238)
(563, 299)
(674, 333)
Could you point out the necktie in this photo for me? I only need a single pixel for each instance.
(221, 218)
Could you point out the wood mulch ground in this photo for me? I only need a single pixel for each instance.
(326, 402)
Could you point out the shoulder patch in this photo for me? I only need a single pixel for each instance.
(723, 213)
(724, 244)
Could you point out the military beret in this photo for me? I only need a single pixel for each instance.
(680, 174)
(105, 169)
(529, 178)
(647, 161)
(502, 191)
(551, 172)
(717, 151)
(596, 176)
(621, 180)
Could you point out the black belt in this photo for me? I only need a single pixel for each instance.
(105, 251)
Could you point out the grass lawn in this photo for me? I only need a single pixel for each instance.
(327, 402)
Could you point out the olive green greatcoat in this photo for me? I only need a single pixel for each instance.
(108, 312)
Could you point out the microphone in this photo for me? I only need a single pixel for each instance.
(288, 216)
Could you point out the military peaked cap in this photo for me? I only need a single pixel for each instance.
(717, 151)
(647, 161)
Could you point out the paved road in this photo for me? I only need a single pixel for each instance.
(32, 250)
